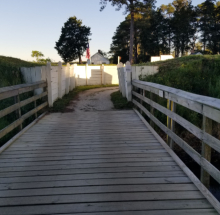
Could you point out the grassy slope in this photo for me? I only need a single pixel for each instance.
(196, 74)
(10, 67)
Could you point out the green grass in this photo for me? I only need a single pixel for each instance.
(61, 104)
(196, 74)
(120, 102)
(10, 67)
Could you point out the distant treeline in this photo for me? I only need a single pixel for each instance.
(176, 28)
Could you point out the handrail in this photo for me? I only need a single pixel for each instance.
(16, 91)
(10, 91)
(207, 106)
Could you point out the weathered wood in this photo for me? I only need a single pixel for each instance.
(98, 189)
(7, 92)
(103, 207)
(18, 122)
(214, 172)
(192, 101)
(151, 108)
(202, 135)
(188, 172)
(64, 166)
(206, 152)
(173, 109)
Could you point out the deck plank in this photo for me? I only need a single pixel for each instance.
(105, 162)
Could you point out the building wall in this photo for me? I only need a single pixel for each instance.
(98, 59)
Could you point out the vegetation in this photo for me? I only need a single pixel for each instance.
(73, 40)
(177, 28)
(197, 74)
(120, 102)
(10, 67)
(61, 104)
(38, 54)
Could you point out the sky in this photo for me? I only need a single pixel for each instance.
(27, 25)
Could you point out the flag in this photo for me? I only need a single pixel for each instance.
(88, 52)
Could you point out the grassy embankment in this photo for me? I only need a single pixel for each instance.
(195, 74)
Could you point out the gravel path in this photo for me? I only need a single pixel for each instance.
(94, 100)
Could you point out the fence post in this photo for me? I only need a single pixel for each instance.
(72, 78)
(59, 80)
(102, 74)
(119, 67)
(75, 74)
(49, 85)
(128, 85)
(206, 151)
(18, 111)
(86, 74)
(67, 88)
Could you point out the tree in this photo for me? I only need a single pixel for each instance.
(37, 54)
(131, 6)
(154, 35)
(210, 25)
(73, 40)
(168, 11)
(184, 26)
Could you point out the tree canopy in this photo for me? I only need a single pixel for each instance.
(73, 40)
(37, 54)
(131, 7)
(176, 28)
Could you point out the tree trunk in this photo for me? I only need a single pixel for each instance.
(131, 33)
(80, 59)
(136, 50)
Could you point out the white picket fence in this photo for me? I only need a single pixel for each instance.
(62, 79)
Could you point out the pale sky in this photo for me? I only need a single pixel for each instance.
(27, 25)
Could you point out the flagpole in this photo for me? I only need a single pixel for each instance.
(90, 53)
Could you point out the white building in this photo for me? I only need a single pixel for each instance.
(98, 58)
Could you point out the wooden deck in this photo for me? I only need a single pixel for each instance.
(105, 162)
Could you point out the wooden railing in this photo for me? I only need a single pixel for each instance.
(208, 107)
(16, 91)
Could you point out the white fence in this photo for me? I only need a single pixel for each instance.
(62, 79)
(128, 73)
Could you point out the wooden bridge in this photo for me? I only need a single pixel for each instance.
(104, 162)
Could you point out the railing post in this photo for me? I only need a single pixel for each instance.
(128, 84)
(59, 80)
(168, 120)
(18, 112)
(206, 151)
(49, 85)
(173, 108)
(151, 109)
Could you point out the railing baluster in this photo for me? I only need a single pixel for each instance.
(18, 111)
(151, 109)
(173, 109)
(168, 121)
(206, 151)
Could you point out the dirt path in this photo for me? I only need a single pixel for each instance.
(94, 100)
